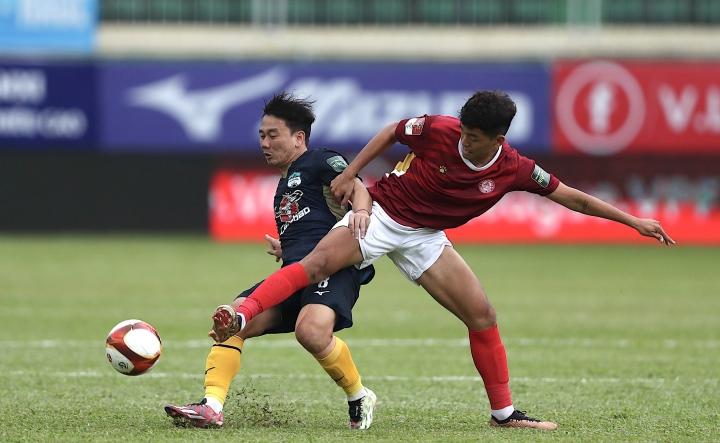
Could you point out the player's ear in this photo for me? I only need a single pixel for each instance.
(300, 138)
(499, 139)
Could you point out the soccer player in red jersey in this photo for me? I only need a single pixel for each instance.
(458, 169)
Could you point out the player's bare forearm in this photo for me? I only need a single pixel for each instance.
(380, 143)
(584, 203)
(342, 186)
(360, 198)
(362, 203)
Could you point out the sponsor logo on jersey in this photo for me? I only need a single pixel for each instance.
(414, 126)
(486, 186)
(294, 180)
(289, 206)
(540, 176)
(289, 209)
(337, 162)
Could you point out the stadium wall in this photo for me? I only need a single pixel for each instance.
(47, 191)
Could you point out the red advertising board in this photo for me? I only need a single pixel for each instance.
(617, 107)
(241, 205)
(241, 210)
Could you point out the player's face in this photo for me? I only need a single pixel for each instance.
(476, 145)
(279, 146)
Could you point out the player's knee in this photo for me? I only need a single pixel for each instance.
(313, 336)
(488, 314)
(483, 317)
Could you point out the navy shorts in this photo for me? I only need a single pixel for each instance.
(339, 293)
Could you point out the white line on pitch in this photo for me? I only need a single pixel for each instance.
(397, 342)
(395, 378)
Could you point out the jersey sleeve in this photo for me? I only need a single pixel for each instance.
(415, 133)
(329, 165)
(532, 178)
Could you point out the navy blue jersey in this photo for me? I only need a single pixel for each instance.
(304, 207)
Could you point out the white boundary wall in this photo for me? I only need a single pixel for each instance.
(406, 43)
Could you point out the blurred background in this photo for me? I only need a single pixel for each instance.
(141, 115)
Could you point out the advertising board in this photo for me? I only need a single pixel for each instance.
(688, 205)
(216, 107)
(619, 107)
(47, 105)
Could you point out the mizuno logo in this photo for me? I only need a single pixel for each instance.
(200, 112)
(321, 292)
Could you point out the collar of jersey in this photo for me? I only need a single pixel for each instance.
(481, 168)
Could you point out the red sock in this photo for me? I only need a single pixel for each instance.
(275, 289)
(488, 353)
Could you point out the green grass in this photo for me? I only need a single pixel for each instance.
(614, 343)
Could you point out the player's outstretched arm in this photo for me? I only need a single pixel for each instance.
(342, 186)
(587, 204)
(361, 204)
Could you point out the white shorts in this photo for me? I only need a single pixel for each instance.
(413, 250)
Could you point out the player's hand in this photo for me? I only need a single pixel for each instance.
(274, 247)
(342, 188)
(652, 228)
(359, 222)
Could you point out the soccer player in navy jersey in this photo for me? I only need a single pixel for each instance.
(458, 169)
(304, 212)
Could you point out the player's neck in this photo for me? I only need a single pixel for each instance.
(284, 168)
(483, 158)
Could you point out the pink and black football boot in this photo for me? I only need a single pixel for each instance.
(199, 415)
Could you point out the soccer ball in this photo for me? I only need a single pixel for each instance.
(133, 347)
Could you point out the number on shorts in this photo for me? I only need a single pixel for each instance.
(324, 283)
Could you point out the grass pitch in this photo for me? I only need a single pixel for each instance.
(614, 343)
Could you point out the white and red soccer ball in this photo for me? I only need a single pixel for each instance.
(133, 347)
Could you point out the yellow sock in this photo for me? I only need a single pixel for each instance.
(340, 367)
(222, 363)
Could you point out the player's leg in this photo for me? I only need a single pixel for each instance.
(453, 284)
(337, 250)
(328, 308)
(221, 366)
(314, 331)
(224, 360)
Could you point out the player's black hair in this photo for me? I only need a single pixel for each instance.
(490, 111)
(296, 112)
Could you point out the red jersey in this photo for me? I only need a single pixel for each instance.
(439, 188)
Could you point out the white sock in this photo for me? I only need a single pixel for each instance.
(502, 414)
(214, 403)
(361, 393)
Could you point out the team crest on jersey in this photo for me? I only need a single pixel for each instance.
(294, 180)
(414, 126)
(337, 162)
(540, 176)
(487, 186)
